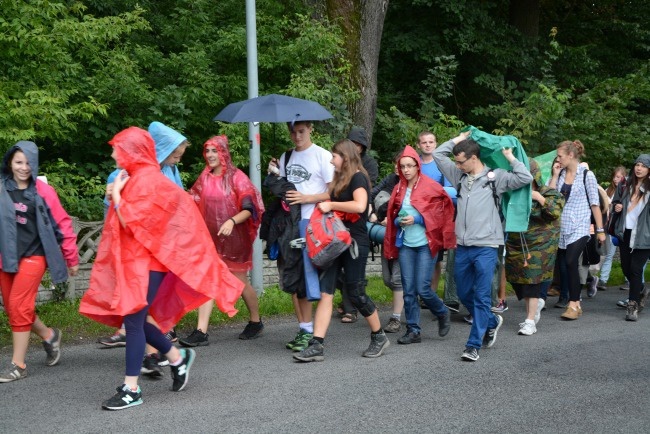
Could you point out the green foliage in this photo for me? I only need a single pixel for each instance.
(81, 195)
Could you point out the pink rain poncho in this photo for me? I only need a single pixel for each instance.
(220, 197)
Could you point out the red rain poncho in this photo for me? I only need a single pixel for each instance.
(161, 222)
(221, 197)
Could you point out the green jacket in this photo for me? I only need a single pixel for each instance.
(516, 204)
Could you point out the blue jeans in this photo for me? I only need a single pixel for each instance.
(312, 284)
(606, 266)
(416, 265)
(473, 273)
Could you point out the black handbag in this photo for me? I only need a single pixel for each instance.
(593, 251)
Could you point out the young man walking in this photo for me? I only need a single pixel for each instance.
(479, 230)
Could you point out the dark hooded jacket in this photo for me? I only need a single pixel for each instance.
(54, 225)
(431, 201)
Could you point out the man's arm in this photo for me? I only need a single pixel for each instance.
(447, 167)
(517, 178)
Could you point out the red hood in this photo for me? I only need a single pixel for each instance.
(134, 149)
(409, 152)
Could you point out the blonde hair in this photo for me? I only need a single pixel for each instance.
(575, 147)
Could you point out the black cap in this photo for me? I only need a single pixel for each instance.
(358, 135)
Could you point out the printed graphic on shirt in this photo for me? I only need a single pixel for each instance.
(22, 209)
(297, 173)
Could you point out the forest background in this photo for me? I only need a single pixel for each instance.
(74, 73)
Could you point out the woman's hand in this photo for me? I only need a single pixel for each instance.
(226, 228)
(601, 237)
(407, 221)
(537, 196)
(618, 207)
(120, 181)
(324, 206)
(73, 271)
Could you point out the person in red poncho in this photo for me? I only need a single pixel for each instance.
(419, 224)
(155, 259)
(232, 208)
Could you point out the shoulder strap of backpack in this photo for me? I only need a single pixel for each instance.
(495, 196)
(287, 155)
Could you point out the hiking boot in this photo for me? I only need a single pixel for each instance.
(393, 326)
(622, 303)
(124, 398)
(470, 354)
(181, 373)
(312, 353)
(540, 306)
(117, 340)
(301, 341)
(378, 343)
(632, 311)
(171, 336)
(571, 313)
(410, 338)
(444, 324)
(151, 366)
(562, 303)
(553, 292)
(491, 334)
(602, 285)
(454, 307)
(501, 307)
(13, 373)
(643, 297)
(289, 345)
(196, 339)
(252, 330)
(53, 349)
(592, 288)
(527, 328)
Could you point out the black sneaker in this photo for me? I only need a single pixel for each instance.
(171, 336)
(117, 340)
(602, 285)
(181, 373)
(454, 307)
(252, 330)
(53, 349)
(470, 354)
(151, 366)
(444, 324)
(124, 398)
(410, 338)
(491, 334)
(378, 343)
(196, 339)
(562, 303)
(313, 353)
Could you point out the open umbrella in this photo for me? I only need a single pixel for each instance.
(273, 108)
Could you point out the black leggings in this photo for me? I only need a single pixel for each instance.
(632, 263)
(139, 332)
(569, 259)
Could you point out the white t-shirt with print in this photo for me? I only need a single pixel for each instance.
(310, 170)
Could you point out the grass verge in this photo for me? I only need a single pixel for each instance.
(79, 329)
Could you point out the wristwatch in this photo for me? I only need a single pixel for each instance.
(600, 230)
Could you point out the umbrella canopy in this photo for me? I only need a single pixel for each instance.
(273, 108)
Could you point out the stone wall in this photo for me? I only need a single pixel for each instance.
(88, 234)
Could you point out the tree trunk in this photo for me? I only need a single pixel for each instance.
(362, 22)
(524, 15)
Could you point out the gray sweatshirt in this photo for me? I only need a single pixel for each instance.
(477, 220)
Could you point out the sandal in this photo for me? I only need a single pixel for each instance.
(349, 318)
(340, 311)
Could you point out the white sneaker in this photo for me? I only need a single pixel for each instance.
(527, 328)
(540, 305)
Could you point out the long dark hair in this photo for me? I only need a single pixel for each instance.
(633, 181)
(351, 165)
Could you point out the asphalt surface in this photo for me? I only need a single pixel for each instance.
(589, 375)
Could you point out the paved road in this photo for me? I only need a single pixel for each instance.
(590, 375)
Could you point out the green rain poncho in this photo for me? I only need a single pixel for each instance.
(516, 204)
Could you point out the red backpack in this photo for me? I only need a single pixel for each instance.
(327, 238)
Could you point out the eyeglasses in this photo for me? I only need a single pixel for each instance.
(407, 166)
(460, 163)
